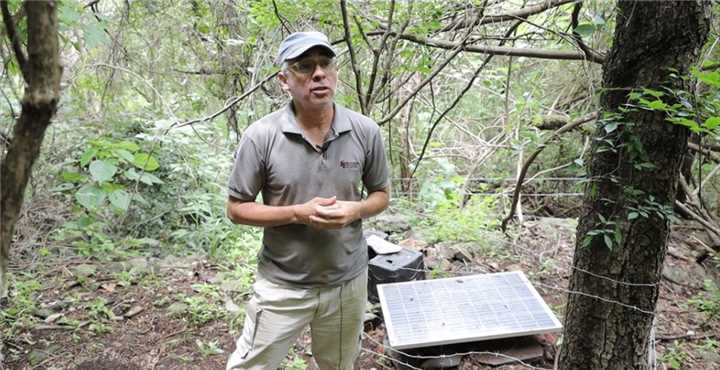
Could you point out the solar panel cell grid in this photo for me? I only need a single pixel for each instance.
(469, 308)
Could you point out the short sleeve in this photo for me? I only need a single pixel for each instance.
(248, 172)
(376, 172)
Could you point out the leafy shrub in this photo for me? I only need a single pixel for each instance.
(107, 168)
(708, 303)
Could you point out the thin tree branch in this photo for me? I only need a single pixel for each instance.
(438, 69)
(590, 53)
(227, 106)
(498, 50)
(532, 157)
(707, 149)
(391, 52)
(704, 222)
(14, 40)
(202, 71)
(283, 21)
(356, 19)
(376, 56)
(351, 51)
(499, 18)
(456, 101)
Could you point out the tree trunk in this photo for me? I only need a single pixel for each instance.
(41, 71)
(619, 253)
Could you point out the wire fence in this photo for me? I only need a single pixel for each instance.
(412, 187)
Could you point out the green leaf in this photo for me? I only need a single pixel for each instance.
(131, 174)
(608, 241)
(87, 156)
(127, 145)
(94, 35)
(712, 122)
(109, 187)
(692, 125)
(585, 29)
(150, 179)
(102, 171)
(586, 241)
(611, 126)
(90, 196)
(68, 176)
(120, 199)
(710, 78)
(657, 105)
(617, 236)
(145, 162)
(654, 93)
(124, 154)
(67, 15)
(144, 177)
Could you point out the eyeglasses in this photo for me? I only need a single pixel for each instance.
(307, 66)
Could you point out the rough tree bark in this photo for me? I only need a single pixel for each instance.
(651, 38)
(41, 70)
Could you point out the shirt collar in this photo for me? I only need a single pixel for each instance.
(340, 123)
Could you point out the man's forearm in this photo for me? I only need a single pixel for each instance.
(318, 212)
(375, 203)
(257, 214)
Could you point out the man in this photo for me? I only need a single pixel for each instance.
(311, 161)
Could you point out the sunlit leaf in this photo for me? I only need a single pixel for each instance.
(710, 78)
(654, 93)
(127, 145)
(145, 162)
(73, 176)
(87, 156)
(657, 105)
(712, 122)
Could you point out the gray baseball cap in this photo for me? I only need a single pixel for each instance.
(299, 42)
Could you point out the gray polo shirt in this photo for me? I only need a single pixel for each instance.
(275, 158)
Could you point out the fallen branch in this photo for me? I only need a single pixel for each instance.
(666, 338)
(706, 150)
(531, 158)
(697, 218)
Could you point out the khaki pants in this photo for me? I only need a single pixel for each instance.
(276, 315)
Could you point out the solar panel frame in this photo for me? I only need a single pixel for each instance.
(460, 321)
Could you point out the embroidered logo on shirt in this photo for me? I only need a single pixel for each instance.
(349, 164)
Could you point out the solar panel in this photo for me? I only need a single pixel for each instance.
(463, 309)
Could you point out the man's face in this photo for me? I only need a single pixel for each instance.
(311, 78)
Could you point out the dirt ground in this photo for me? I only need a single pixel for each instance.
(141, 332)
